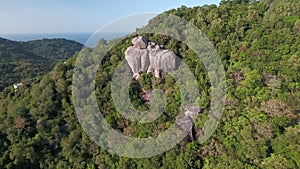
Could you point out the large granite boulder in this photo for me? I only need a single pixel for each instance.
(139, 42)
(191, 110)
(144, 53)
(148, 57)
(186, 122)
(137, 59)
(134, 60)
(161, 60)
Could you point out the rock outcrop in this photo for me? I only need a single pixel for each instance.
(191, 110)
(161, 60)
(137, 59)
(186, 122)
(139, 42)
(149, 57)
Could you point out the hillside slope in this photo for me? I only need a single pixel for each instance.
(259, 128)
(23, 61)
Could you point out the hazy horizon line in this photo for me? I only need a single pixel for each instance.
(59, 33)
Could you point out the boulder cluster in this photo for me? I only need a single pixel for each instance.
(149, 57)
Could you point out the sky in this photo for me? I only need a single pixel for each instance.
(72, 16)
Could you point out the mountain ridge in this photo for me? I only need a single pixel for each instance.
(32, 59)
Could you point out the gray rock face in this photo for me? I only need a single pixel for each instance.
(134, 60)
(186, 122)
(137, 59)
(160, 60)
(144, 53)
(191, 111)
(147, 56)
(139, 42)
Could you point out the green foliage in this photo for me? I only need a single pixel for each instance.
(28, 61)
(259, 47)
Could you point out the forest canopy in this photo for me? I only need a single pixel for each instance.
(31, 60)
(258, 42)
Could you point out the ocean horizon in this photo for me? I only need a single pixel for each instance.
(78, 37)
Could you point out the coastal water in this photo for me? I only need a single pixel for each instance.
(79, 37)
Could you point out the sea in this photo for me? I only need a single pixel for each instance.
(79, 37)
